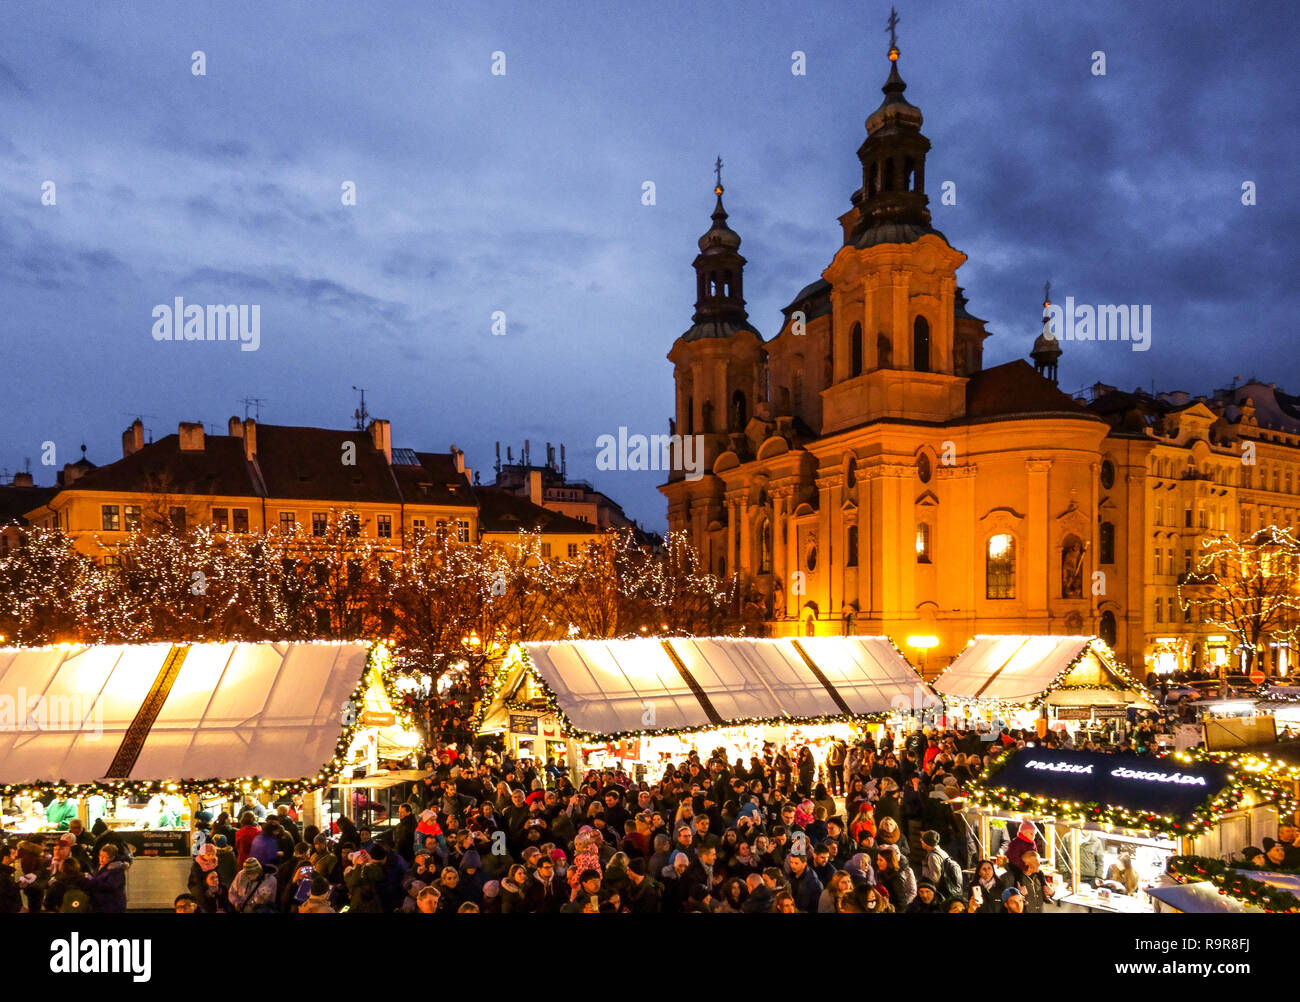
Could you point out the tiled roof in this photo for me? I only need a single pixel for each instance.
(501, 511)
(1015, 388)
(307, 463)
(433, 481)
(162, 467)
(15, 502)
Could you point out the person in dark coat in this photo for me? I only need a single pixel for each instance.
(644, 895)
(545, 895)
(804, 885)
(404, 833)
(107, 886)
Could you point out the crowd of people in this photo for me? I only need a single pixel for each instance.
(871, 827)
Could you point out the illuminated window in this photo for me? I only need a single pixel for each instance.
(1000, 567)
(384, 526)
(462, 530)
(573, 550)
(239, 519)
(221, 519)
(288, 520)
(111, 517)
(131, 517)
(319, 523)
(923, 542)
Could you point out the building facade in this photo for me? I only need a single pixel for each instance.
(870, 475)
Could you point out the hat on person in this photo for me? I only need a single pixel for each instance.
(492, 888)
(1250, 852)
(1268, 843)
(673, 858)
(1026, 831)
(1010, 893)
(929, 837)
(926, 883)
(219, 841)
(252, 866)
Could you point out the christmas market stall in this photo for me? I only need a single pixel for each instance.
(1113, 823)
(646, 702)
(137, 739)
(1063, 683)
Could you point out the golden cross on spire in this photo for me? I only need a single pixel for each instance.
(717, 170)
(893, 26)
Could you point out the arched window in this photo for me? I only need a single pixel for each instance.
(923, 542)
(1107, 475)
(855, 350)
(726, 283)
(889, 174)
(739, 415)
(1106, 542)
(851, 548)
(690, 415)
(1071, 567)
(1106, 628)
(873, 179)
(909, 174)
(923, 469)
(921, 345)
(1000, 566)
(884, 351)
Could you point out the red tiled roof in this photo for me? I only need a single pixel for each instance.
(1015, 388)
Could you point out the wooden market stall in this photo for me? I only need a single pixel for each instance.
(1094, 807)
(140, 737)
(644, 702)
(1039, 683)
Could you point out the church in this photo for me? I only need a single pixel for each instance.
(869, 475)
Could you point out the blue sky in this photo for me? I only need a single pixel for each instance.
(522, 193)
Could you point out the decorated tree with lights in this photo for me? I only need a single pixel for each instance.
(49, 590)
(1247, 586)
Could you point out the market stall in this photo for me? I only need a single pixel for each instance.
(136, 738)
(1098, 808)
(1039, 683)
(645, 702)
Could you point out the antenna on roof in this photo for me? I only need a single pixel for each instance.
(498, 463)
(255, 403)
(361, 414)
(563, 464)
(140, 417)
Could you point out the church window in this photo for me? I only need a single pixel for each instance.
(889, 174)
(1107, 474)
(1106, 628)
(923, 542)
(921, 345)
(855, 350)
(1000, 567)
(851, 549)
(1106, 539)
(923, 470)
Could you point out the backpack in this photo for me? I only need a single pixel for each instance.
(950, 882)
(75, 900)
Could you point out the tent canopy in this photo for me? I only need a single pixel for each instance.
(155, 712)
(607, 687)
(1016, 669)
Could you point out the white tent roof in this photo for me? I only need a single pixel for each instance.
(1013, 668)
(622, 686)
(233, 710)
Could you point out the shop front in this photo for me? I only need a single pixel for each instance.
(258, 721)
(1113, 822)
(643, 703)
(1041, 684)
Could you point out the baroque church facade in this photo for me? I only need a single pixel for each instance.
(870, 475)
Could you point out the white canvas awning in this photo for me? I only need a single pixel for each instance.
(232, 710)
(1016, 669)
(647, 685)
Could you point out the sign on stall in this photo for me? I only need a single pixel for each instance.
(523, 723)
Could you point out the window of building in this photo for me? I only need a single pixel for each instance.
(351, 523)
(1187, 517)
(1160, 614)
(176, 515)
(573, 550)
(1000, 567)
(221, 519)
(811, 559)
(546, 551)
(855, 351)
(1187, 560)
(319, 523)
(921, 345)
(1187, 613)
(1107, 476)
(1169, 604)
(1202, 520)
(851, 547)
(462, 530)
(923, 469)
(131, 517)
(923, 542)
(1106, 542)
(288, 520)
(1106, 628)
(384, 526)
(239, 519)
(110, 517)
(1160, 567)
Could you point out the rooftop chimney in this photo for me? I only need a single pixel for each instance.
(247, 430)
(535, 487)
(133, 438)
(191, 436)
(23, 480)
(381, 434)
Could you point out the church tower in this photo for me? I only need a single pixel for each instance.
(896, 350)
(1047, 349)
(718, 364)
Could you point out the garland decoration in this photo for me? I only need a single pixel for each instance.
(1232, 883)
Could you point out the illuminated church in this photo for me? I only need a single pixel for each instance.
(871, 476)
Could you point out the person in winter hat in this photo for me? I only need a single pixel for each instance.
(253, 889)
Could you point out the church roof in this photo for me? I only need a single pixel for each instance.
(717, 328)
(1015, 388)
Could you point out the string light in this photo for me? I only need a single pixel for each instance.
(1232, 883)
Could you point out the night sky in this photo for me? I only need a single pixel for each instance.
(522, 193)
